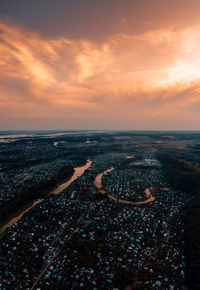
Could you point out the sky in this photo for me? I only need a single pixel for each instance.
(100, 64)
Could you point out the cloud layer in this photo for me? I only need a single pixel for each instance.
(130, 81)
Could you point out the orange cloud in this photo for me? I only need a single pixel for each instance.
(128, 78)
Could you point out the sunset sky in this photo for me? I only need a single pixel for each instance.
(100, 64)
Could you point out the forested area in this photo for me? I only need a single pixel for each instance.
(183, 174)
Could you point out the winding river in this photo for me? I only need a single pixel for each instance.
(78, 171)
(99, 186)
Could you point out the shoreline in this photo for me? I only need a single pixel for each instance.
(98, 184)
(17, 215)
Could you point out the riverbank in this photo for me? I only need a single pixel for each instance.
(64, 242)
(13, 218)
(99, 186)
(54, 186)
(28, 196)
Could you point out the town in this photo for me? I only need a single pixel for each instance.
(116, 223)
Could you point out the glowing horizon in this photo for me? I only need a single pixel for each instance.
(129, 80)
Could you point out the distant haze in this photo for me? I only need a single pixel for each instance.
(99, 64)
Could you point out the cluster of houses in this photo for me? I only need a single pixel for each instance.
(99, 244)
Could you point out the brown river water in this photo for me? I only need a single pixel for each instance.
(99, 186)
(78, 171)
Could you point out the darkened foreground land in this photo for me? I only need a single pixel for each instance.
(107, 234)
(183, 171)
(27, 196)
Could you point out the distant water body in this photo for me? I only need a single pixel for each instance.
(7, 137)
